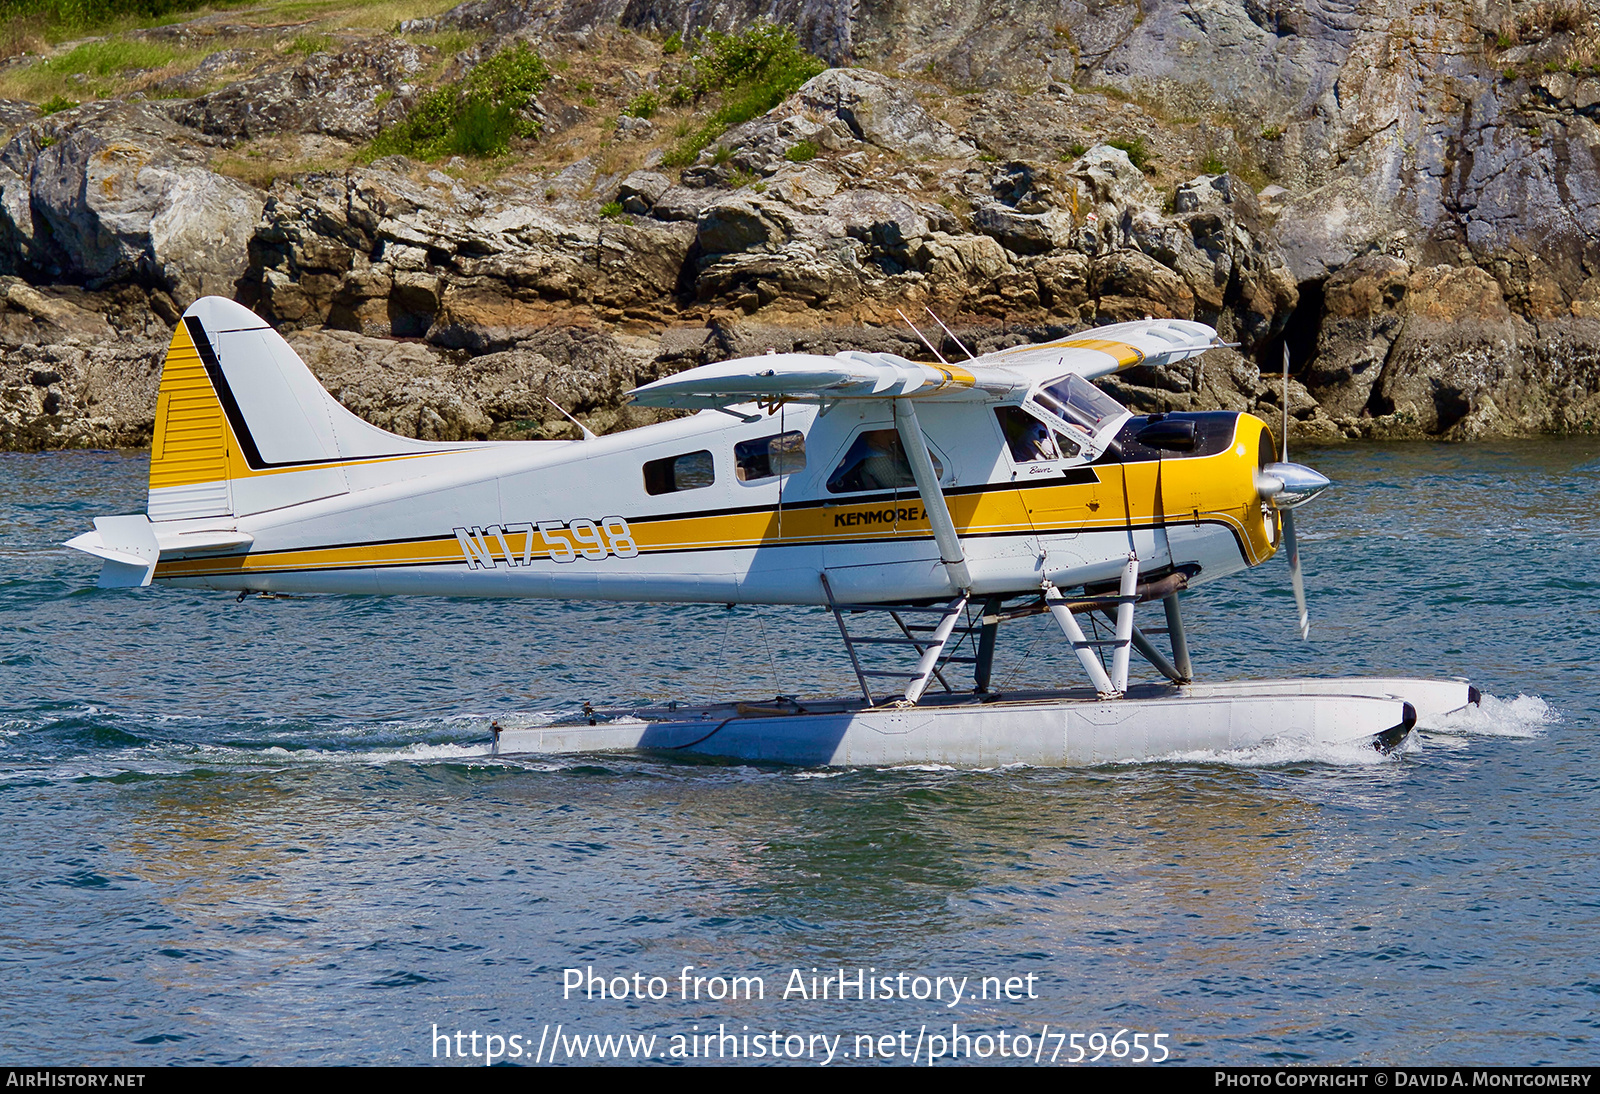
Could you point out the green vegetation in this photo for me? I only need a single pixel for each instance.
(109, 56)
(738, 179)
(801, 152)
(722, 155)
(1271, 132)
(1213, 164)
(1074, 151)
(752, 72)
(673, 44)
(611, 210)
(78, 15)
(475, 116)
(644, 105)
(1138, 152)
(57, 104)
(92, 70)
(1539, 22)
(765, 56)
(307, 44)
(1107, 90)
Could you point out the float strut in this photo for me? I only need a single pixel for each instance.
(986, 640)
(1149, 652)
(1128, 594)
(1180, 644)
(928, 664)
(1080, 643)
(933, 503)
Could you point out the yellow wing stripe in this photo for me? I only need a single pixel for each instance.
(1126, 356)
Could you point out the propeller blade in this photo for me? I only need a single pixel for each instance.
(1296, 578)
(1284, 458)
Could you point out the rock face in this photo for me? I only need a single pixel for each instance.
(384, 253)
(351, 94)
(1409, 345)
(70, 395)
(115, 192)
(1409, 200)
(418, 391)
(1451, 134)
(401, 253)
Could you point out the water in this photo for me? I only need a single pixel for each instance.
(268, 832)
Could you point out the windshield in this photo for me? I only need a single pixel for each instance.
(1079, 401)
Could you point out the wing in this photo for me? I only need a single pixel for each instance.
(815, 378)
(1104, 350)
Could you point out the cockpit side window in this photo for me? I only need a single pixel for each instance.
(1030, 440)
(876, 461)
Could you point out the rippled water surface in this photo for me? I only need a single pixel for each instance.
(268, 831)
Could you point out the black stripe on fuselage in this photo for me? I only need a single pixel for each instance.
(1082, 475)
(662, 552)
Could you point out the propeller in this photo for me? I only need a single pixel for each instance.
(1285, 486)
(1297, 580)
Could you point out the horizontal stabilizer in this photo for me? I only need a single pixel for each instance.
(130, 547)
(127, 547)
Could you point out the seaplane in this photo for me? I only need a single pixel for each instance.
(925, 504)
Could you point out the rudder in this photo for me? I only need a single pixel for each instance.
(189, 453)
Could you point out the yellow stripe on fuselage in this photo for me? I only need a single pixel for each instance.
(1171, 492)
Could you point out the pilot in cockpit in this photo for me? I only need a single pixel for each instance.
(1026, 436)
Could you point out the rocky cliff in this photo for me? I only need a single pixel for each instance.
(1409, 197)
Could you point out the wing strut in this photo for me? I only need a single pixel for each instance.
(927, 480)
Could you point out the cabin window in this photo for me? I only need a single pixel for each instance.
(876, 461)
(768, 457)
(691, 471)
